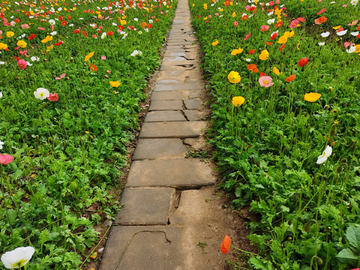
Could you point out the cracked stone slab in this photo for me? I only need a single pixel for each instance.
(166, 105)
(192, 104)
(171, 95)
(179, 63)
(143, 247)
(175, 86)
(145, 206)
(186, 67)
(188, 55)
(164, 116)
(181, 75)
(159, 149)
(183, 173)
(192, 115)
(172, 129)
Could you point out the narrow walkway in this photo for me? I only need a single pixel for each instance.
(170, 221)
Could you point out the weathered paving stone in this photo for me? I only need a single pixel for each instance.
(150, 248)
(164, 116)
(169, 81)
(184, 173)
(159, 148)
(170, 95)
(145, 206)
(177, 67)
(192, 115)
(177, 58)
(166, 105)
(192, 104)
(183, 62)
(172, 130)
(194, 94)
(175, 86)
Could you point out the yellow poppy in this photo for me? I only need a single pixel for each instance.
(357, 48)
(311, 97)
(205, 6)
(236, 51)
(3, 46)
(282, 39)
(238, 101)
(276, 71)
(215, 43)
(234, 77)
(115, 84)
(234, 14)
(9, 34)
(122, 22)
(336, 27)
(47, 39)
(264, 55)
(21, 44)
(89, 56)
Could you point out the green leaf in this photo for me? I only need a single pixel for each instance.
(346, 254)
(353, 236)
(257, 263)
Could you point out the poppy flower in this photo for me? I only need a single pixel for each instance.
(41, 93)
(32, 36)
(247, 36)
(264, 28)
(265, 81)
(215, 43)
(149, 26)
(53, 97)
(225, 245)
(276, 71)
(110, 33)
(115, 84)
(63, 23)
(58, 43)
(264, 55)
(273, 36)
(268, 43)
(321, 11)
(253, 68)
(77, 31)
(87, 57)
(278, 24)
(21, 44)
(84, 34)
(236, 51)
(234, 77)
(312, 97)
(252, 51)
(291, 78)
(244, 17)
(282, 47)
(22, 64)
(5, 159)
(60, 18)
(323, 157)
(93, 67)
(320, 20)
(120, 27)
(238, 101)
(303, 62)
(143, 24)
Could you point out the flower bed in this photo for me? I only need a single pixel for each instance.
(72, 76)
(286, 100)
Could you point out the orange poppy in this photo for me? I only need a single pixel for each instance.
(93, 67)
(225, 245)
(291, 78)
(268, 43)
(143, 24)
(84, 34)
(278, 24)
(320, 20)
(253, 68)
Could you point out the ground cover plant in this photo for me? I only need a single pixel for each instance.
(72, 76)
(284, 78)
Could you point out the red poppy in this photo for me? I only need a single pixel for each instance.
(93, 67)
(262, 74)
(53, 97)
(17, 20)
(253, 68)
(226, 3)
(303, 62)
(301, 19)
(143, 24)
(290, 78)
(244, 17)
(199, 16)
(358, 28)
(84, 34)
(77, 31)
(273, 36)
(110, 33)
(132, 27)
(247, 36)
(120, 27)
(225, 245)
(63, 23)
(94, 36)
(156, 20)
(149, 26)
(59, 43)
(252, 51)
(282, 47)
(278, 24)
(69, 18)
(268, 43)
(17, 58)
(31, 36)
(60, 18)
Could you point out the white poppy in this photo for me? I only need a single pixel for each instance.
(1, 143)
(327, 152)
(41, 93)
(103, 35)
(53, 33)
(136, 52)
(341, 33)
(354, 33)
(248, 59)
(325, 34)
(136, 19)
(2, 63)
(321, 43)
(351, 49)
(271, 21)
(52, 22)
(17, 257)
(354, 2)
(29, 64)
(34, 58)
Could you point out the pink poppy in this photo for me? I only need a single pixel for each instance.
(264, 28)
(265, 81)
(61, 76)
(103, 57)
(247, 36)
(301, 19)
(353, 23)
(25, 26)
(41, 28)
(22, 64)
(294, 23)
(321, 11)
(53, 97)
(6, 159)
(236, 23)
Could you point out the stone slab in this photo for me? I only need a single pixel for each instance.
(182, 173)
(144, 206)
(192, 104)
(187, 55)
(170, 95)
(172, 130)
(159, 149)
(195, 94)
(177, 67)
(183, 62)
(143, 247)
(192, 115)
(164, 116)
(175, 86)
(166, 105)
(171, 59)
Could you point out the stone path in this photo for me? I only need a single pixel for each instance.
(167, 213)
